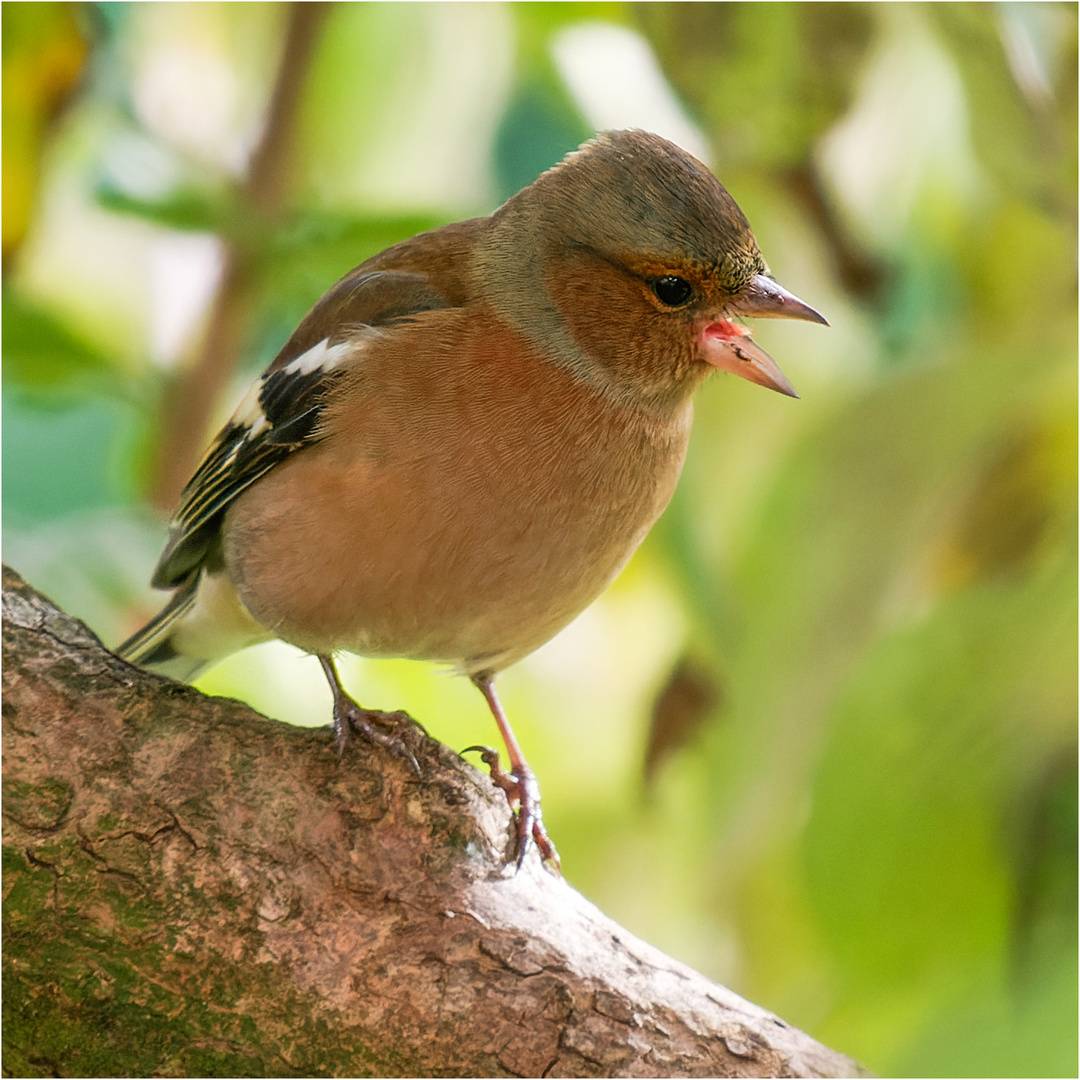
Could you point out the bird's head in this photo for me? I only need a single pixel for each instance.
(646, 264)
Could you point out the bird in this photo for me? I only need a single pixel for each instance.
(467, 437)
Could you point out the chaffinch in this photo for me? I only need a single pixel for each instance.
(468, 436)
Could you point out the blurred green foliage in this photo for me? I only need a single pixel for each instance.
(850, 642)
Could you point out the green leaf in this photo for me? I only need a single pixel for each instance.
(187, 209)
(41, 352)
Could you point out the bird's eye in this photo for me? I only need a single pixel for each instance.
(672, 291)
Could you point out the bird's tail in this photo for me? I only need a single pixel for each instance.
(203, 622)
(153, 647)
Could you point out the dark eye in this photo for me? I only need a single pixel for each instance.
(672, 291)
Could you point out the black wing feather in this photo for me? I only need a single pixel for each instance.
(290, 403)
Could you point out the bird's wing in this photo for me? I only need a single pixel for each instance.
(280, 414)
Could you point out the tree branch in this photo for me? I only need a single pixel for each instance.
(196, 387)
(191, 889)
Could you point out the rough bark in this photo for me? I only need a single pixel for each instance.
(192, 889)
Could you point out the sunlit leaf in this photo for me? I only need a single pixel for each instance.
(41, 353)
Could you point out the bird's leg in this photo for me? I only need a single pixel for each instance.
(520, 784)
(350, 717)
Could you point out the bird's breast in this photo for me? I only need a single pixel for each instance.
(469, 499)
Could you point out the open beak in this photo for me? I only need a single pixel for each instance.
(727, 345)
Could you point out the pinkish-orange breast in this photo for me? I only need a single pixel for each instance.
(469, 500)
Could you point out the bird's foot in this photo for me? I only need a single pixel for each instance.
(387, 729)
(523, 794)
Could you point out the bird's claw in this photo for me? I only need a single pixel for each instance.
(523, 794)
(370, 723)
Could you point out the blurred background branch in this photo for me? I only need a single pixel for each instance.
(196, 388)
(845, 659)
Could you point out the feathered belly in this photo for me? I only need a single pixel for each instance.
(459, 565)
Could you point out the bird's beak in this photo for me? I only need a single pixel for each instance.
(764, 298)
(727, 346)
